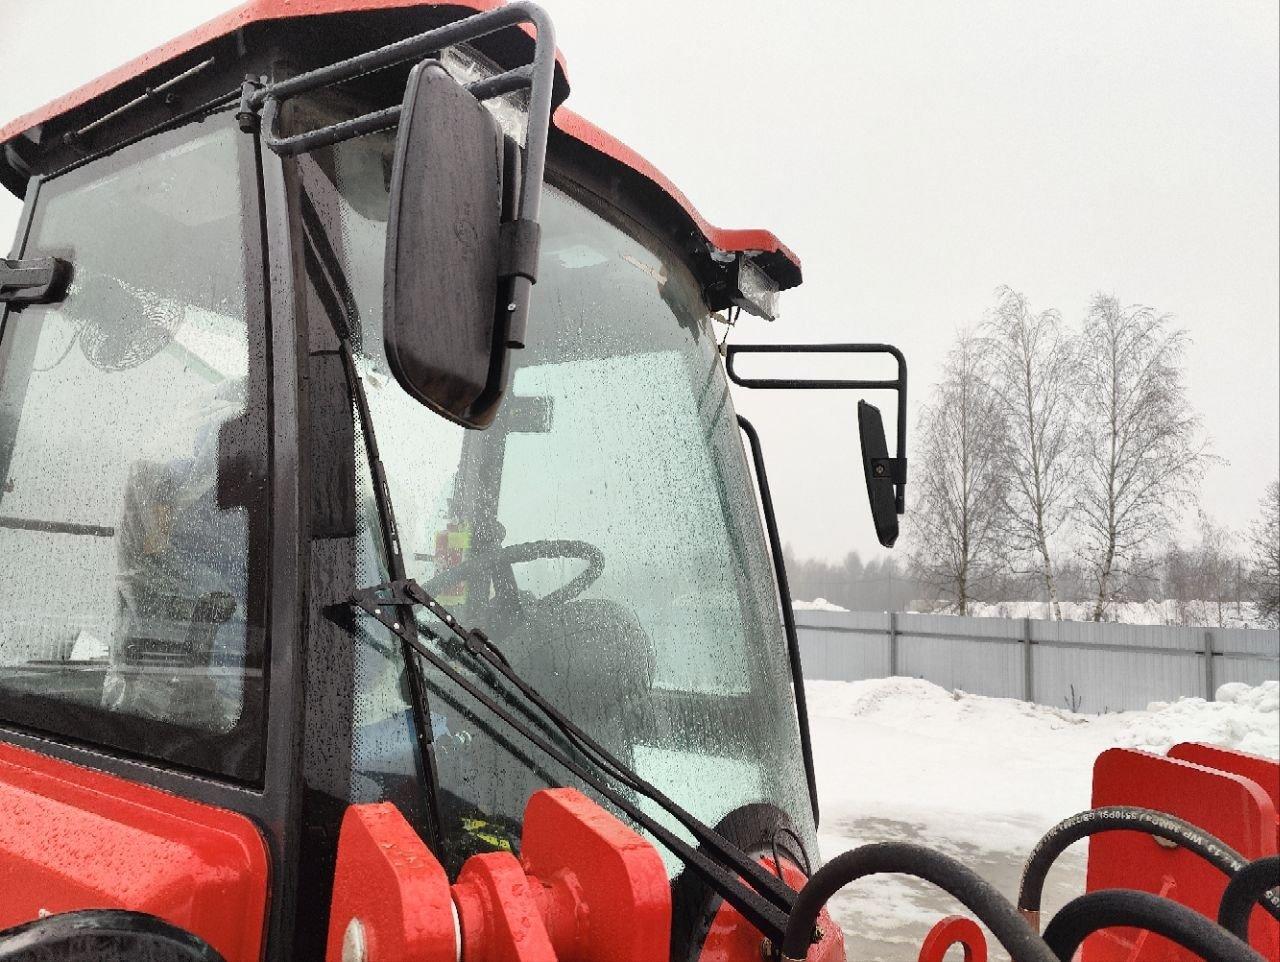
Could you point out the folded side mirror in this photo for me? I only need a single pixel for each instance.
(440, 295)
(878, 469)
(886, 476)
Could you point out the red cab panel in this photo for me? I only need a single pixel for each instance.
(74, 838)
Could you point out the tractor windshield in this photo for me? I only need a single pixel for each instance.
(603, 531)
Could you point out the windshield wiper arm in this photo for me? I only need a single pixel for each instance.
(762, 897)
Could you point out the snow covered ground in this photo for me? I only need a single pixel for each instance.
(1205, 614)
(981, 778)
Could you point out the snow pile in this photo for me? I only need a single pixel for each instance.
(997, 771)
(1243, 717)
(981, 779)
(817, 604)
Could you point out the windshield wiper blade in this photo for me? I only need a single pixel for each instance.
(762, 897)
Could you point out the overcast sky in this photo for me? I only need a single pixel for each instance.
(916, 155)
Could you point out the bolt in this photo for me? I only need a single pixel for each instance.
(354, 948)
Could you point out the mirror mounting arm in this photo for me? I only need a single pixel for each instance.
(886, 476)
(896, 467)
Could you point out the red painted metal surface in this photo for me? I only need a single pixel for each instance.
(1233, 808)
(253, 11)
(500, 916)
(615, 880)
(588, 889)
(1265, 772)
(387, 879)
(258, 11)
(954, 930)
(726, 240)
(73, 838)
(732, 938)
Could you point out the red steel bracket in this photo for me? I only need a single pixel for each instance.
(732, 938)
(1265, 772)
(1233, 808)
(606, 890)
(589, 890)
(954, 930)
(390, 894)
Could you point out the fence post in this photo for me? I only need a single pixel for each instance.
(893, 644)
(1028, 677)
(1210, 689)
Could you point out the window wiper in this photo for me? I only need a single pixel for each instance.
(761, 896)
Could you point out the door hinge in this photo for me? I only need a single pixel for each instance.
(38, 280)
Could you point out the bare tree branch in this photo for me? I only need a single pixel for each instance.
(1141, 454)
(956, 526)
(1264, 542)
(1033, 369)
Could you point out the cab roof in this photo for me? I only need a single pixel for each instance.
(569, 130)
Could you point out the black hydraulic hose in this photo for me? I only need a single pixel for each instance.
(978, 896)
(1112, 818)
(1086, 914)
(1247, 887)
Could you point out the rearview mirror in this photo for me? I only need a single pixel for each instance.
(886, 476)
(445, 338)
(878, 469)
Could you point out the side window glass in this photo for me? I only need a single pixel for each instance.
(132, 453)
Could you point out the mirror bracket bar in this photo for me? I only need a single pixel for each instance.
(895, 467)
(518, 253)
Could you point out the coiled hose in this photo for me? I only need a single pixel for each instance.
(1083, 916)
(1124, 818)
(1246, 888)
(978, 896)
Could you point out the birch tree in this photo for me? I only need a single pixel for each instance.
(956, 530)
(1033, 370)
(1141, 455)
(1264, 543)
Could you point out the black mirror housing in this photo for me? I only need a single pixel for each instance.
(878, 468)
(445, 342)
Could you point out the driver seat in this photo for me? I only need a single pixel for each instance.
(591, 658)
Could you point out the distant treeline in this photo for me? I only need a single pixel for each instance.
(1217, 569)
(881, 584)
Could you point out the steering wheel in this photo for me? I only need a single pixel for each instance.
(514, 554)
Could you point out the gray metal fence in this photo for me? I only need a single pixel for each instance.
(1086, 666)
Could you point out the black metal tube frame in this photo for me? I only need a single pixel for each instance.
(538, 76)
(788, 615)
(898, 385)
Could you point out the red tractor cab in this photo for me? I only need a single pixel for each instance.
(279, 414)
(385, 575)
